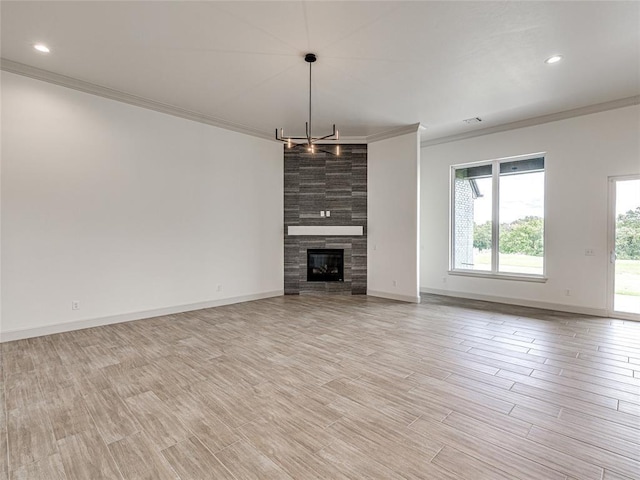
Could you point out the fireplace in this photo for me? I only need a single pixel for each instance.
(325, 265)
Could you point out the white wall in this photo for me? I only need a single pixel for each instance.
(393, 183)
(128, 211)
(580, 154)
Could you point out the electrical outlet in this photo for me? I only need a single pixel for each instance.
(567, 292)
(322, 213)
(395, 283)
(590, 252)
(219, 288)
(75, 305)
(328, 213)
(444, 279)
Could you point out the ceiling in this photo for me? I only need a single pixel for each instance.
(381, 65)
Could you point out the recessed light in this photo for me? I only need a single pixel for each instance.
(553, 59)
(41, 48)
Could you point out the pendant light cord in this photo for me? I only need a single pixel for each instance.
(309, 133)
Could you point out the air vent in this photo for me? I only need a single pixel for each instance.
(470, 121)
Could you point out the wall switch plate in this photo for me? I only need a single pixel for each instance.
(590, 252)
(567, 292)
(219, 288)
(395, 283)
(328, 213)
(75, 305)
(322, 213)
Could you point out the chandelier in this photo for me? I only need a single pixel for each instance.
(309, 140)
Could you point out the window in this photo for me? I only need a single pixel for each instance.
(497, 218)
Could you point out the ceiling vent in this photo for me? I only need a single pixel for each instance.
(471, 121)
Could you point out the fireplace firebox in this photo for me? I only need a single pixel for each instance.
(325, 265)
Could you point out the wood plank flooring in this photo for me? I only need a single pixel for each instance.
(327, 388)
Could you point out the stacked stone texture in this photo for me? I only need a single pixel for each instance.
(464, 215)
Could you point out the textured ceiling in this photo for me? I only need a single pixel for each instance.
(380, 65)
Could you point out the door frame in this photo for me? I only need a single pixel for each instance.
(611, 246)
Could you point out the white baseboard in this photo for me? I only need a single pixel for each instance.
(598, 312)
(625, 316)
(11, 335)
(393, 296)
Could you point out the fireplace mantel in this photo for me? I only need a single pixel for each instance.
(326, 230)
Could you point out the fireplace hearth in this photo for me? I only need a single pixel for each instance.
(325, 265)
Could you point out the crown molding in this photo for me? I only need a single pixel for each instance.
(530, 122)
(94, 89)
(395, 132)
(353, 139)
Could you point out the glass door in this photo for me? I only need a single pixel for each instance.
(624, 247)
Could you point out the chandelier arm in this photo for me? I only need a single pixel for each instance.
(281, 136)
(332, 134)
(284, 138)
(325, 137)
(292, 138)
(327, 151)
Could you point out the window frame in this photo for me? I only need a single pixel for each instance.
(495, 222)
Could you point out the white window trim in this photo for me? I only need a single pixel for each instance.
(522, 277)
(495, 225)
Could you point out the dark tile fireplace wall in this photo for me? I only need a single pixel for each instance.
(321, 181)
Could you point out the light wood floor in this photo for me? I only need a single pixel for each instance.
(327, 388)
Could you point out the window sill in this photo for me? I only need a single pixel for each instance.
(500, 276)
